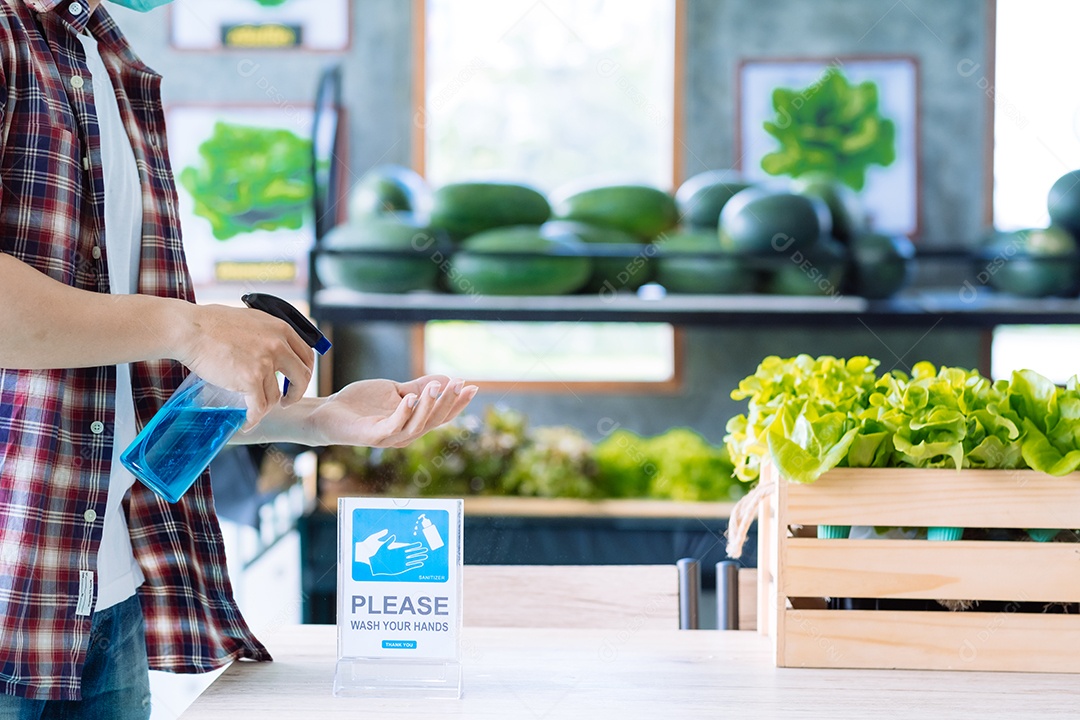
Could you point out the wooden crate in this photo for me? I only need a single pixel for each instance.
(805, 567)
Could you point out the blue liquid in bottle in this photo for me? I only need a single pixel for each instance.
(176, 446)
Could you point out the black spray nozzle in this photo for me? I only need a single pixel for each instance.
(284, 311)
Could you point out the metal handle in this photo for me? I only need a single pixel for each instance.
(727, 595)
(689, 593)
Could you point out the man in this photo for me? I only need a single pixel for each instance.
(99, 578)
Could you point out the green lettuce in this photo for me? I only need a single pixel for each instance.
(808, 415)
(816, 402)
(1051, 421)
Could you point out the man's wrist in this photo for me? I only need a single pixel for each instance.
(168, 325)
(294, 424)
(180, 329)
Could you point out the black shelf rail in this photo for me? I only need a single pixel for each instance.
(959, 309)
(969, 304)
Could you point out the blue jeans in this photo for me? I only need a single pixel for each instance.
(115, 679)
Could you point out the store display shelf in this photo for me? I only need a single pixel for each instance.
(966, 307)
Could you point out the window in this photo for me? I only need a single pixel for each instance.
(553, 356)
(1050, 350)
(1036, 141)
(549, 92)
(1036, 107)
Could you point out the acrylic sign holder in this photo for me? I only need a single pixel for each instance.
(399, 598)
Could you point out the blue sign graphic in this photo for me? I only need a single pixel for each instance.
(400, 545)
(399, 644)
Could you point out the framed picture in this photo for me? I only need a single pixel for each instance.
(314, 25)
(853, 118)
(244, 178)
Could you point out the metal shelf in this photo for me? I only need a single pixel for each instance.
(913, 310)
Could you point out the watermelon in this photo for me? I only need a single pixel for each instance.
(701, 198)
(463, 209)
(640, 210)
(760, 220)
(414, 270)
(845, 210)
(609, 274)
(390, 190)
(881, 265)
(726, 275)
(1030, 263)
(1064, 202)
(818, 270)
(473, 270)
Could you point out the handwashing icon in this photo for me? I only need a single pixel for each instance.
(385, 556)
(403, 546)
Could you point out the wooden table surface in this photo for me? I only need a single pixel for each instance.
(600, 674)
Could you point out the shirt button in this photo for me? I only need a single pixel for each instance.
(75, 9)
(97, 427)
(77, 82)
(89, 516)
(96, 252)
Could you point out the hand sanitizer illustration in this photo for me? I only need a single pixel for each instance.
(431, 533)
(193, 425)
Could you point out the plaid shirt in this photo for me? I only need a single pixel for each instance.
(56, 425)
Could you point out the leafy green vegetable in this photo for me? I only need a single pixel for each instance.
(799, 410)
(500, 455)
(624, 466)
(805, 447)
(832, 127)
(251, 178)
(558, 462)
(465, 458)
(689, 468)
(679, 464)
(821, 413)
(1051, 418)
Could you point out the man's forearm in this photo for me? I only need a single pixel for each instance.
(45, 324)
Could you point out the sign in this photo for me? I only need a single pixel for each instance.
(245, 187)
(262, 35)
(399, 594)
(296, 25)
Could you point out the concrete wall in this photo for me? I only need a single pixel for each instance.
(940, 35)
(378, 71)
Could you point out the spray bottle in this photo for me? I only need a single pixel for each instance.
(193, 425)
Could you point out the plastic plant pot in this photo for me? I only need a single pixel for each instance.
(944, 533)
(1042, 534)
(833, 532)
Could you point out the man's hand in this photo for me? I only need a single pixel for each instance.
(384, 413)
(241, 349)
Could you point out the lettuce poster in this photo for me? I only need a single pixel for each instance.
(245, 186)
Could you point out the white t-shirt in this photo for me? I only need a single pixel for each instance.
(118, 574)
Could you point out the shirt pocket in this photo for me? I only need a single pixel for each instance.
(43, 156)
(41, 205)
